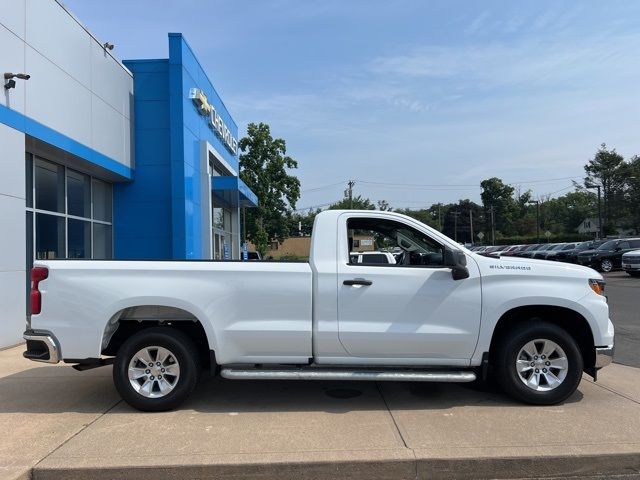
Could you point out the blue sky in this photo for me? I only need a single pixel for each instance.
(400, 95)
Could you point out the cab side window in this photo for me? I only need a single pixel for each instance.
(383, 242)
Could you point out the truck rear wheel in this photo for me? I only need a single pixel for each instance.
(538, 363)
(156, 369)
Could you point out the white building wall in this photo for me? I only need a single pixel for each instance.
(76, 88)
(12, 237)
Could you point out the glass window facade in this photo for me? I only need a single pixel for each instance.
(69, 213)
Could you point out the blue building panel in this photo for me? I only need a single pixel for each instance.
(163, 206)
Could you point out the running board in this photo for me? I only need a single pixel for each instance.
(342, 374)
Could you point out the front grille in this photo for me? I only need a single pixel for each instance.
(631, 259)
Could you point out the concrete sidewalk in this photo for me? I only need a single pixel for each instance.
(62, 424)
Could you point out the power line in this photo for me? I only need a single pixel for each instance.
(323, 187)
(441, 186)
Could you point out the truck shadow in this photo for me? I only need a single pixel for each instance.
(62, 389)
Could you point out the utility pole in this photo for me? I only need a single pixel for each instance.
(471, 226)
(599, 208)
(350, 192)
(537, 202)
(493, 225)
(455, 223)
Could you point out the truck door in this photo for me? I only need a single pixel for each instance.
(413, 309)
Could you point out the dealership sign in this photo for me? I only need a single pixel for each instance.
(215, 120)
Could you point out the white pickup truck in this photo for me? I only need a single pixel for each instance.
(440, 313)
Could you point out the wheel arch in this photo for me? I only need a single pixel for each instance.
(140, 315)
(574, 323)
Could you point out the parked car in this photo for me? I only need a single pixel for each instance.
(508, 252)
(563, 247)
(495, 251)
(453, 316)
(608, 256)
(514, 252)
(541, 253)
(253, 256)
(631, 263)
(571, 255)
(531, 251)
(371, 258)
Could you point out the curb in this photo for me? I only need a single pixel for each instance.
(396, 467)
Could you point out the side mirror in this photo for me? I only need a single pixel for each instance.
(456, 260)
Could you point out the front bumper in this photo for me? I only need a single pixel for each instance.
(604, 356)
(631, 267)
(586, 261)
(42, 346)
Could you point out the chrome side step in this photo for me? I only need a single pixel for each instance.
(313, 373)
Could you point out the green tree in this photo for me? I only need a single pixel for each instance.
(608, 169)
(384, 206)
(428, 216)
(564, 214)
(264, 167)
(357, 203)
(633, 191)
(498, 196)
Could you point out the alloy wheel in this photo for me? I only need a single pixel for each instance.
(154, 372)
(542, 365)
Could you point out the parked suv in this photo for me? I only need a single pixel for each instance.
(531, 251)
(608, 256)
(631, 263)
(541, 253)
(571, 255)
(562, 247)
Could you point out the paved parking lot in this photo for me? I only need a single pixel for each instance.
(623, 293)
(60, 424)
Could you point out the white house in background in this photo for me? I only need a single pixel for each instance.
(589, 225)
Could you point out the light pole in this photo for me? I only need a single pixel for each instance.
(493, 225)
(455, 228)
(537, 202)
(592, 185)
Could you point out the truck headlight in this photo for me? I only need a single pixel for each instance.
(597, 285)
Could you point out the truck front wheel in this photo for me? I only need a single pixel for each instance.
(538, 363)
(156, 369)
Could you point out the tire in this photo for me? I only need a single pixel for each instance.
(606, 265)
(513, 348)
(634, 274)
(146, 390)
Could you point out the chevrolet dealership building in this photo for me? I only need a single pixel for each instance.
(104, 159)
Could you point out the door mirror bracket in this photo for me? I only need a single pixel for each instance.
(456, 260)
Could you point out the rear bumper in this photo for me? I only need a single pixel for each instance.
(604, 356)
(42, 346)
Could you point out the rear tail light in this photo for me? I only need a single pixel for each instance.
(37, 275)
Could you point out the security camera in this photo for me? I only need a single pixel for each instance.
(108, 46)
(21, 76)
(9, 79)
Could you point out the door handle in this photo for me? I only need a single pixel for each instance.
(357, 281)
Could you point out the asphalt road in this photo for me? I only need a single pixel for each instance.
(623, 293)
